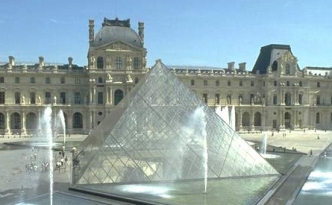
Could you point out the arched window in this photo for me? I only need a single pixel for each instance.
(136, 63)
(245, 119)
(100, 62)
(275, 66)
(317, 118)
(31, 121)
(118, 95)
(15, 121)
(118, 63)
(257, 119)
(2, 121)
(77, 120)
(287, 69)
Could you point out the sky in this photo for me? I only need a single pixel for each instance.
(179, 32)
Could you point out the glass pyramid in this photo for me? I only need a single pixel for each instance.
(162, 132)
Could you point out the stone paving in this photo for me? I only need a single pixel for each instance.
(19, 181)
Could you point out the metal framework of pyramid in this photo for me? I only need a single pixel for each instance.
(161, 131)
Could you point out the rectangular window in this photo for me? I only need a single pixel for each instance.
(77, 80)
(48, 80)
(192, 82)
(300, 99)
(205, 97)
(318, 100)
(240, 83)
(77, 98)
(217, 83)
(263, 83)
(32, 98)
(100, 97)
(62, 80)
(32, 80)
(17, 79)
(318, 84)
(229, 83)
(275, 99)
(2, 97)
(62, 98)
(118, 63)
(217, 98)
(47, 97)
(252, 83)
(17, 97)
(2, 79)
(205, 82)
(275, 83)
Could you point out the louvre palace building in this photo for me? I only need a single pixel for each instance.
(276, 94)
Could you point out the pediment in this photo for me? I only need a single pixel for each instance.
(118, 46)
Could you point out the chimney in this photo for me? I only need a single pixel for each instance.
(231, 66)
(141, 31)
(11, 61)
(242, 66)
(41, 61)
(70, 61)
(91, 31)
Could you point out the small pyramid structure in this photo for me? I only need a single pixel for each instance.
(161, 131)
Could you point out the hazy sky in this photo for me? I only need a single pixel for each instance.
(187, 32)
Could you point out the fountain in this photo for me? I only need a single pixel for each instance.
(264, 144)
(232, 118)
(46, 130)
(200, 115)
(63, 124)
(264, 148)
(226, 115)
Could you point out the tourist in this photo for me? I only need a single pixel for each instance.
(310, 153)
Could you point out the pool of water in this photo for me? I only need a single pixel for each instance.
(318, 187)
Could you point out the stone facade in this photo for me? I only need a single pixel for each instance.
(275, 95)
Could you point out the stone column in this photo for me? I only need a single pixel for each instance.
(111, 95)
(7, 122)
(282, 97)
(252, 120)
(107, 95)
(263, 120)
(240, 120)
(23, 130)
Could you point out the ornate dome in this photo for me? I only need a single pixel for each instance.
(108, 34)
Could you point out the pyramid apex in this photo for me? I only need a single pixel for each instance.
(158, 61)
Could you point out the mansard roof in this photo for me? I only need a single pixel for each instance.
(267, 55)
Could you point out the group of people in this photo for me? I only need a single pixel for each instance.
(62, 160)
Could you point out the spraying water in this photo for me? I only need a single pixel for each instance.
(199, 116)
(63, 124)
(232, 118)
(47, 129)
(264, 144)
